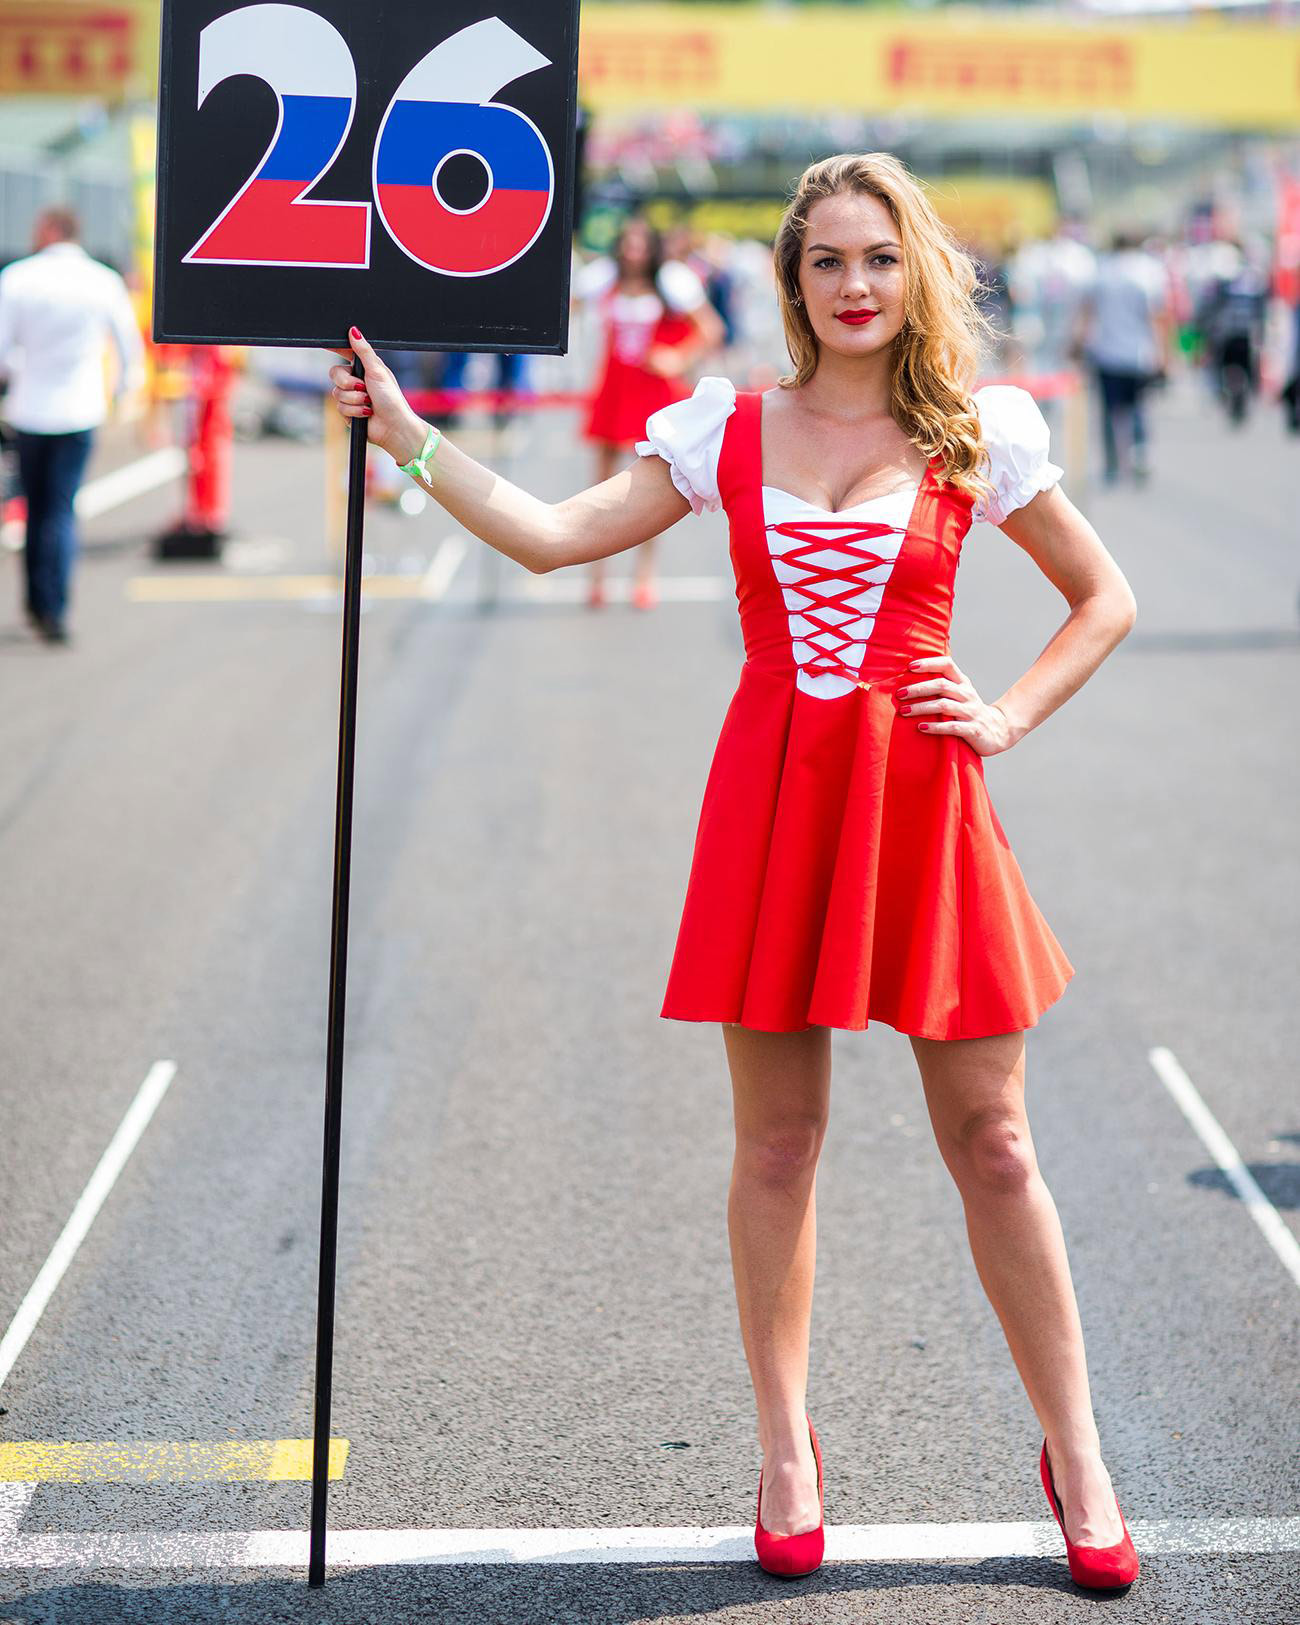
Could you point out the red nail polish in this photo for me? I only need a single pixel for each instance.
(354, 332)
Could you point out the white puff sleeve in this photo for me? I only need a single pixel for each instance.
(679, 287)
(593, 279)
(1016, 439)
(688, 436)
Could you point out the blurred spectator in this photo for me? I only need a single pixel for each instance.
(760, 355)
(658, 321)
(1230, 316)
(509, 373)
(58, 309)
(709, 261)
(720, 284)
(995, 296)
(1290, 396)
(1124, 333)
(1047, 279)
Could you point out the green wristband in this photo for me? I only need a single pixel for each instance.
(418, 467)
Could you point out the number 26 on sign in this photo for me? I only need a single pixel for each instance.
(442, 109)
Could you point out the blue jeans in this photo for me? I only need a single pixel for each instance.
(511, 371)
(50, 467)
(1121, 399)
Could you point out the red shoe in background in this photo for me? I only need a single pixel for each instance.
(792, 1555)
(1099, 1568)
(645, 595)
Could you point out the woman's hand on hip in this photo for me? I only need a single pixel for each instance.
(391, 424)
(942, 700)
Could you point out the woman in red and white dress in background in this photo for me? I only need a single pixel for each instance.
(658, 321)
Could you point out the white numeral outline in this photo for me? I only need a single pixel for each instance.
(295, 51)
(274, 39)
(471, 66)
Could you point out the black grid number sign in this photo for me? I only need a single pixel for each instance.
(405, 165)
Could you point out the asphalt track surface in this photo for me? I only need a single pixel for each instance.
(536, 1327)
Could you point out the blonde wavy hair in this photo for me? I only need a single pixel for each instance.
(937, 352)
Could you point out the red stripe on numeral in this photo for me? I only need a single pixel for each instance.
(464, 244)
(266, 226)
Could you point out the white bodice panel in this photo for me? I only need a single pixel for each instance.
(834, 612)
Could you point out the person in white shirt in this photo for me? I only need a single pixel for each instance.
(59, 308)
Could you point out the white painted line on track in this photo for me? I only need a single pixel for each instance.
(1216, 1142)
(671, 589)
(13, 1503)
(848, 1543)
(90, 1201)
(443, 567)
(132, 480)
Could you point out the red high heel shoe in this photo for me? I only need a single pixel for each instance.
(1099, 1568)
(792, 1555)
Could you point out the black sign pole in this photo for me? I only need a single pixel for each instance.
(230, 231)
(329, 1212)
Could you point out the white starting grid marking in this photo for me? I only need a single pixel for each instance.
(132, 480)
(111, 490)
(442, 568)
(119, 1148)
(1210, 1132)
(365, 1548)
(392, 1548)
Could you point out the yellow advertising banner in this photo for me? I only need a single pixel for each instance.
(58, 48)
(954, 63)
(993, 210)
(987, 210)
(958, 64)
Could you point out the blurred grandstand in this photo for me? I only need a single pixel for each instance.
(1042, 130)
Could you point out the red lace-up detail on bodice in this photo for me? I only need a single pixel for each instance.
(832, 583)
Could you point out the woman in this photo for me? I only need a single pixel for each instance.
(658, 320)
(848, 863)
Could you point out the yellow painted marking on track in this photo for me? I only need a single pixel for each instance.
(223, 589)
(291, 1458)
(226, 1460)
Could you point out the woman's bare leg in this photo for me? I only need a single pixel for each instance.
(781, 1099)
(644, 571)
(606, 467)
(975, 1092)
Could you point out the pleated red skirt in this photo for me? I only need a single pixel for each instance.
(626, 394)
(847, 867)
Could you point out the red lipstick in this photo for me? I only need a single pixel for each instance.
(857, 318)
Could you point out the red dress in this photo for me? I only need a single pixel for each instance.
(847, 867)
(627, 392)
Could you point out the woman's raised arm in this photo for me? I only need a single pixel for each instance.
(636, 504)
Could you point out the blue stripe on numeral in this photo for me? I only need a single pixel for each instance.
(312, 128)
(418, 134)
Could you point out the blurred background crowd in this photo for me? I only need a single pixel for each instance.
(1125, 172)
